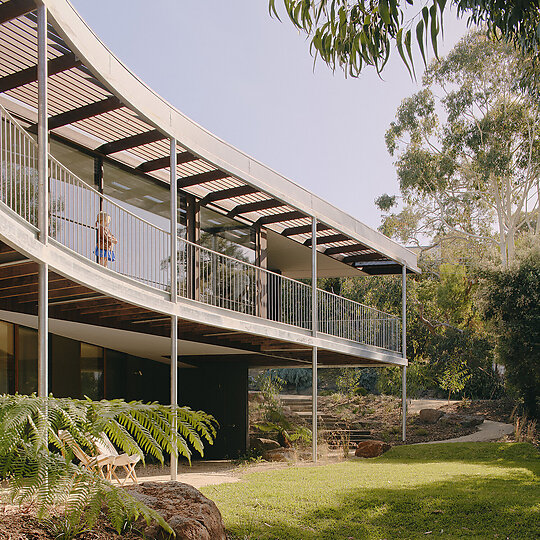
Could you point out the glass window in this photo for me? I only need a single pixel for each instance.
(91, 371)
(225, 235)
(27, 377)
(7, 367)
(79, 163)
(143, 197)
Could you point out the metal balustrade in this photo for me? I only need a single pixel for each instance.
(142, 252)
(351, 320)
(18, 170)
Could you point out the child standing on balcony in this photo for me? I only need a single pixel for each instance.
(105, 241)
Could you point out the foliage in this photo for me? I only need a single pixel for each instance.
(348, 382)
(37, 464)
(468, 153)
(352, 34)
(288, 433)
(474, 490)
(274, 418)
(270, 387)
(454, 378)
(300, 378)
(512, 303)
(444, 325)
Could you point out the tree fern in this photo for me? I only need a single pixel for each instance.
(37, 465)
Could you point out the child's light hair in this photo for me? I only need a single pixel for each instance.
(103, 218)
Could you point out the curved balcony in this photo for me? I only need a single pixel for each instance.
(143, 253)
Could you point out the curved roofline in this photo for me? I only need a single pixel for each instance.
(134, 93)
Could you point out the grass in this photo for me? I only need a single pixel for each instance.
(468, 490)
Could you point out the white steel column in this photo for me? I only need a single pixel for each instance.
(404, 351)
(174, 299)
(314, 325)
(43, 203)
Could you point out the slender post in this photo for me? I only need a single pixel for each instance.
(174, 224)
(314, 325)
(174, 390)
(43, 187)
(43, 330)
(404, 351)
(174, 299)
(43, 203)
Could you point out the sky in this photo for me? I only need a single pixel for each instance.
(251, 80)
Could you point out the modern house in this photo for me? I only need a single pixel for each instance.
(216, 257)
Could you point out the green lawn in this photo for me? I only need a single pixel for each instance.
(468, 490)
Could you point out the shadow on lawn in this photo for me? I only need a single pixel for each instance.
(468, 506)
(463, 508)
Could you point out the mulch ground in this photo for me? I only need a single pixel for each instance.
(20, 523)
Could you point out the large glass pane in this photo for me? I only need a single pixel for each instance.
(80, 164)
(7, 368)
(142, 251)
(228, 236)
(227, 282)
(143, 197)
(27, 377)
(91, 371)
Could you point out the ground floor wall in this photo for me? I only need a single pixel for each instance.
(78, 369)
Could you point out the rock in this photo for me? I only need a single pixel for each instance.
(190, 514)
(465, 420)
(430, 416)
(262, 445)
(280, 454)
(368, 449)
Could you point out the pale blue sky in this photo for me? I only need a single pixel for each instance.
(249, 79)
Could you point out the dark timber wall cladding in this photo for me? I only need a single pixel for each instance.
(220, 390)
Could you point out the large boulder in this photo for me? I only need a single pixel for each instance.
(190, 514)
(430, 416)
(372, 448)
(465, 420)
(262, 445)
(281, 454)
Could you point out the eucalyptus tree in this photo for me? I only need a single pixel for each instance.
(468, 151)
(352, 34)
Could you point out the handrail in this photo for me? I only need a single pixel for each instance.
(143, 252)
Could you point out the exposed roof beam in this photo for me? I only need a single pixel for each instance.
(380, 267)
(304, 229)
(345, 249)
(201, 178)
(371, 257)
(131, 142)
(376, 263)
(254, 207)
(28, 75)
(277, 218)
(15, 8)
(322, 240)
(229, 193)
(86, 111)
(162, 163)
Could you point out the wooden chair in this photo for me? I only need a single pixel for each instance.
(105, 447)
(93, 463)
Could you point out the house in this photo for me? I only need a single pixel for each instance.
(215, 253)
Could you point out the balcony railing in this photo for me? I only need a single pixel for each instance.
(143, 252)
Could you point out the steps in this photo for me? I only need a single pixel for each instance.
(335, 430)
